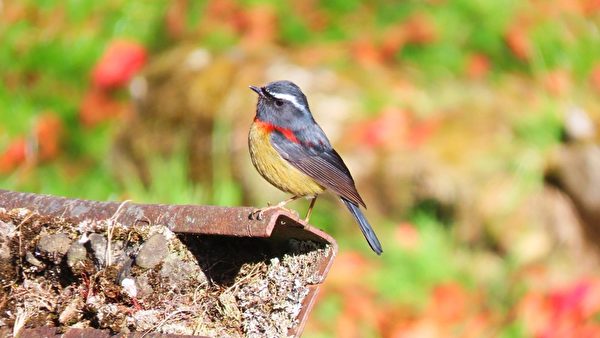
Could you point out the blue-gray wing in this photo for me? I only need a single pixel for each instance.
(314, 156)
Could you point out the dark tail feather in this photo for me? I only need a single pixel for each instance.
(365, 227)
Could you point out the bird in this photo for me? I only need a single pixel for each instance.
(290, 150)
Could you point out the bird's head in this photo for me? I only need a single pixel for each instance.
(282, 103)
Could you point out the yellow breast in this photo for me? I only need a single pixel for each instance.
(276, 169)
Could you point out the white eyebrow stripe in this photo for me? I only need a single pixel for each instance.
(289, 98)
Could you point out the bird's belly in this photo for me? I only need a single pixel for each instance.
(276, 169)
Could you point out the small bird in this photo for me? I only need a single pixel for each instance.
(291, 151)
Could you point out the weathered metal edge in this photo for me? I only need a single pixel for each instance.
(191, 219)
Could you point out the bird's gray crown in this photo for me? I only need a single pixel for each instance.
(287, 91)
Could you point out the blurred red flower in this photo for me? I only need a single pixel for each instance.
(565, 312)
(119, 63)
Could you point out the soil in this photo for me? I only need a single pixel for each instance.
(58, 273)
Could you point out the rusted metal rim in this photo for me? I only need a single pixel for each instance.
(276, 225)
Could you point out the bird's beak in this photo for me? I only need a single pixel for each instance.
(257, 90)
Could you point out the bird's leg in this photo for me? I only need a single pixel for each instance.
(259, 212)
(310, 208)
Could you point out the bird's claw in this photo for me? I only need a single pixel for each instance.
(258, 214)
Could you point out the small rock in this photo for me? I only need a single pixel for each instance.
(178, 270)
(7, 230)
(77, 253)
(152, 252)
(31, 259)
(4, 250)
(72, 312)
(118, 251)
(144, 287)
(98, 244)
(56, 244)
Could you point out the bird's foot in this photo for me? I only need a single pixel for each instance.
(258, 214)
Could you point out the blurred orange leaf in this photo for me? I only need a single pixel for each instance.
(312, 13)
(393, 41)
(419, 29)
(595, 78)
(223, 14)
(422, 132)
(222, 9)
(518, 41)
(14, 155)
(175, 18)
(119, 63)
(346, 326)
(98, 106)
(591, 7)
(48, 131)
(421, 328)
(407, 236)
(346, 267)
(448, 303)
(558, 82)
(478, 66)
(387, 129)
(260, 26)
(360, 304)
(366, 52)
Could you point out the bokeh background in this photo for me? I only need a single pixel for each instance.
(469, 126)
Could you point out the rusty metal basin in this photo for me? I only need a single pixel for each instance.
(276, 226)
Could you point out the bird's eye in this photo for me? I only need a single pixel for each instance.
(279, 103)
